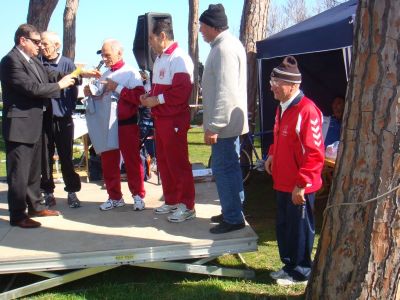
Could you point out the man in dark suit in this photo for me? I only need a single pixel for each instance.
(27, 87)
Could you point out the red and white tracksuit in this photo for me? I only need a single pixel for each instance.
(128, 136)
(298, 148)
(173, 83)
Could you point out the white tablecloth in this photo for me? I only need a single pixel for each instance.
(80, 127)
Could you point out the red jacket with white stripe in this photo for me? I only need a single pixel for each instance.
(298, 148)
(172, 82)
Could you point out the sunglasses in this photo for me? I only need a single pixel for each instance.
(36, 42)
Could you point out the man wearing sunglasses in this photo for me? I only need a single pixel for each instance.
(27, 87)
(295, 161)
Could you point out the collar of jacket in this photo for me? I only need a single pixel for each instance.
(297, 99)
(117, 66)
(294, 102)
(171, 48)
(219, 38)
(51, 62)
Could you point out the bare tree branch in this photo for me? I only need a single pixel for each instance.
(276, 19)
(295, 11)
(322, 5)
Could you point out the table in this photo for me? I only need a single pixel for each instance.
(329, 162)
(81, 130)
(327, 176)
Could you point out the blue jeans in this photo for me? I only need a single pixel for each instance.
(228, 176)
(237, 149)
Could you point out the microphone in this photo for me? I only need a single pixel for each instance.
(101, 63)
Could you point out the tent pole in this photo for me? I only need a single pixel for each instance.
(260, 101)
(346, 51)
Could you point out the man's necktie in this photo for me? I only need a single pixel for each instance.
(35, 69)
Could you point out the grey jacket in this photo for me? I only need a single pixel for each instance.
(224, 86)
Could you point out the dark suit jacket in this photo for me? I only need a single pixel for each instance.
(24, 95)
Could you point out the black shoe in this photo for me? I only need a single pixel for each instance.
(73, 200)
(217, 219)
(224, 227)
(49, 199)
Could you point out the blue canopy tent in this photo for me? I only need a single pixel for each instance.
(322, 46)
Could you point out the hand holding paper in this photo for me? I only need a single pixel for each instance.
(77, 72)
(85, 73)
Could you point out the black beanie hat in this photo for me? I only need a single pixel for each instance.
(287, 70)
(214, 16)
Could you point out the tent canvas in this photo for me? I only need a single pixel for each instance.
(321, 45)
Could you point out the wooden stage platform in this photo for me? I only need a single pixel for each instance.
(95, 241)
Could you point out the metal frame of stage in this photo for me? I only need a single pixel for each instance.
(142, 239)
(101, 265)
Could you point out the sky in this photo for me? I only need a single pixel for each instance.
(98, 20)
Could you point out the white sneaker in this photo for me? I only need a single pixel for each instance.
(278, 274)
(289, 280)
(138, 203)
(110, 204)
(182, 214)
(165, 209)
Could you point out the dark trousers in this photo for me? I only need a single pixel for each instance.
(295, 234)
(23, 177)
(59, 133)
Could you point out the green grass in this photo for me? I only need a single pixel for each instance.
(198, 151)
(140, 283)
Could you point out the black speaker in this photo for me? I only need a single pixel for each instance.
(144, 55)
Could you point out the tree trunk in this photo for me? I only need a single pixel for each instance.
(193, 28)
(253, 28)
(39, 13)
(358, 255)
(69, 39)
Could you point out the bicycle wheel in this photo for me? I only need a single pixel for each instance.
(245, 164)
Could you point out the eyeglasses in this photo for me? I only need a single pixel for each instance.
(274, 82)
(35, 41)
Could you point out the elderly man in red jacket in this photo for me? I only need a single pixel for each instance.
(295, 161)
(122, 137)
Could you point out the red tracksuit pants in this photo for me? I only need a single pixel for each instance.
(173, 160)
(128, 139)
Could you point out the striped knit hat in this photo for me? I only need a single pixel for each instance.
(287, 70)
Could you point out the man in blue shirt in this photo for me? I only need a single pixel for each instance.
(59, 126)
(331, 125)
